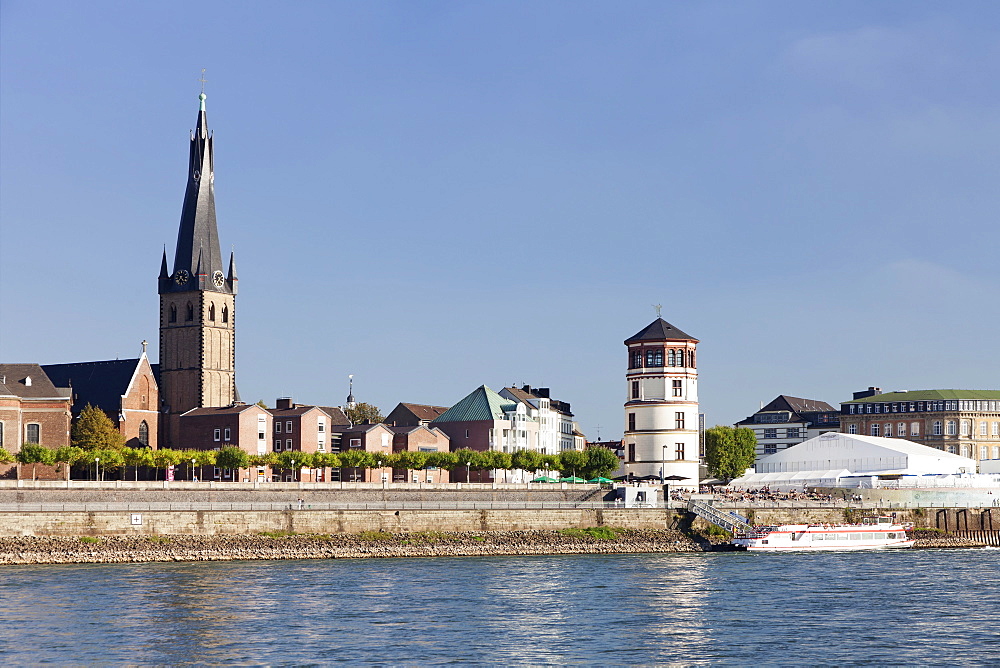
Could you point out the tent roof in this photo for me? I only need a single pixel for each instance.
(835, 445)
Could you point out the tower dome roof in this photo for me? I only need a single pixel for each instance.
(660, 330)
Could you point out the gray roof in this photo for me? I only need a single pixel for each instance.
(14, 383)
(100, 384)
(660, 330)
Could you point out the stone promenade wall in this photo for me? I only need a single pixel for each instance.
(223, 522)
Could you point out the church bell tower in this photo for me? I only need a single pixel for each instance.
(197, 301)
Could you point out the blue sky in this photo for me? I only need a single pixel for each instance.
(436, 195)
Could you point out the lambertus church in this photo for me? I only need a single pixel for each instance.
(197, 302)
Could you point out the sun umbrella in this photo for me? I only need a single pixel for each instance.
(572, 479)
(543, 478)
(600, 479)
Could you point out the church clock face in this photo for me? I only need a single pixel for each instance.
(218, 279)
(181, 277)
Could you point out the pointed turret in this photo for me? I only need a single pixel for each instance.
(198, 234)
(163, 265)
(231, 278)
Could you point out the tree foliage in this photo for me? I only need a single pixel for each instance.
(729, 451)
(232, 458)
(572, 462)
(94, 430)
(364, 412)
(601, 462)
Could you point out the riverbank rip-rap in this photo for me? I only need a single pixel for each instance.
(874, 534)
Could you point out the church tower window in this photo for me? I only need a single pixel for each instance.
(225, 314)
(173, 313)
(144, 434)
(211, 312)
(190, 313)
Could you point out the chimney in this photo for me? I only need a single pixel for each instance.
(283, 403)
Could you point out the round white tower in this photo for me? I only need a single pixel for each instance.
(661, 409)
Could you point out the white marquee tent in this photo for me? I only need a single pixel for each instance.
(832, 459)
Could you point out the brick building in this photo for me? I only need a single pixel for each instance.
(420, 438)
(244, 426)
(962, 422)
(409, 415)
(126, 390)
(32, 410)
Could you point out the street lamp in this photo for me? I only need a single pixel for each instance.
(293, 470)
(192, 469)
(663, 466)
(468, 474)
(97, 474)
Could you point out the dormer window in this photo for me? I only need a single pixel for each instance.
(27, 381)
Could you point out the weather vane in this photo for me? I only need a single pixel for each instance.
(658, 307)
(202, 80)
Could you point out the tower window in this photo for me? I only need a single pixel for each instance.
(144, 434)
(631, 421)
(173, 313)
(211, 312)
(636, 359)
(635, 389)
(680, 358)
(671, 357)
(678, 389)
(691, 359)
(679, 420)
(225, 314)
(678, 451)
(654, 358)
(190, 313)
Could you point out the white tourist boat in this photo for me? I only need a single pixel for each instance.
(873, 534)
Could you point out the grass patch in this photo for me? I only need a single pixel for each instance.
(600, 533)
(89, 539)
(375, 535)
(478, 538)
(276, 534)
(158, 539)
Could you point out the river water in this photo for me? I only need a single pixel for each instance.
(850, 608)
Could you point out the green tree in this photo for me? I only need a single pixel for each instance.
(572, 462)
(494, 459)
(163, 459)
(262, 404)
(412, 461)
(6, 457)
(442, 460)
(526, 460)
(231, 457)
(729, 451)
(601, 462)
(364, 412)
(33, 453)
(357, 459)
(94, 430)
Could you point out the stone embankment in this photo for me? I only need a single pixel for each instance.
(132, 549)
(932, 538)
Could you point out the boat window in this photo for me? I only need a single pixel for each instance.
(842, 536)
(856, 535)
(891, 535)
(868, 535)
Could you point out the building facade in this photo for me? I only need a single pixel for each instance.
(197, 301)
(788, 421)
(557, 432)
(962, 422)
(661, 407)
(32, 409)
(243, 426)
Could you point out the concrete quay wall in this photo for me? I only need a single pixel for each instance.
(223, 522)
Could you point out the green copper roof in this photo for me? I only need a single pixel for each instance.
(482, 404)
(930, 395)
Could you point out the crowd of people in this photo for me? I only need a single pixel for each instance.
(769, 495)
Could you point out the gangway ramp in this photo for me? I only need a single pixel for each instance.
(728, 520)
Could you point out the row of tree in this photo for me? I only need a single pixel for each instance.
(729, 451)
(591, 463)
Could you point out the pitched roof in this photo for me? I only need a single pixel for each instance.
(14, 383)
(660, 330)
(424, 411)
(481, 404)
(783, 402)
(100, 384)
(336, 415)
(930, 395)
